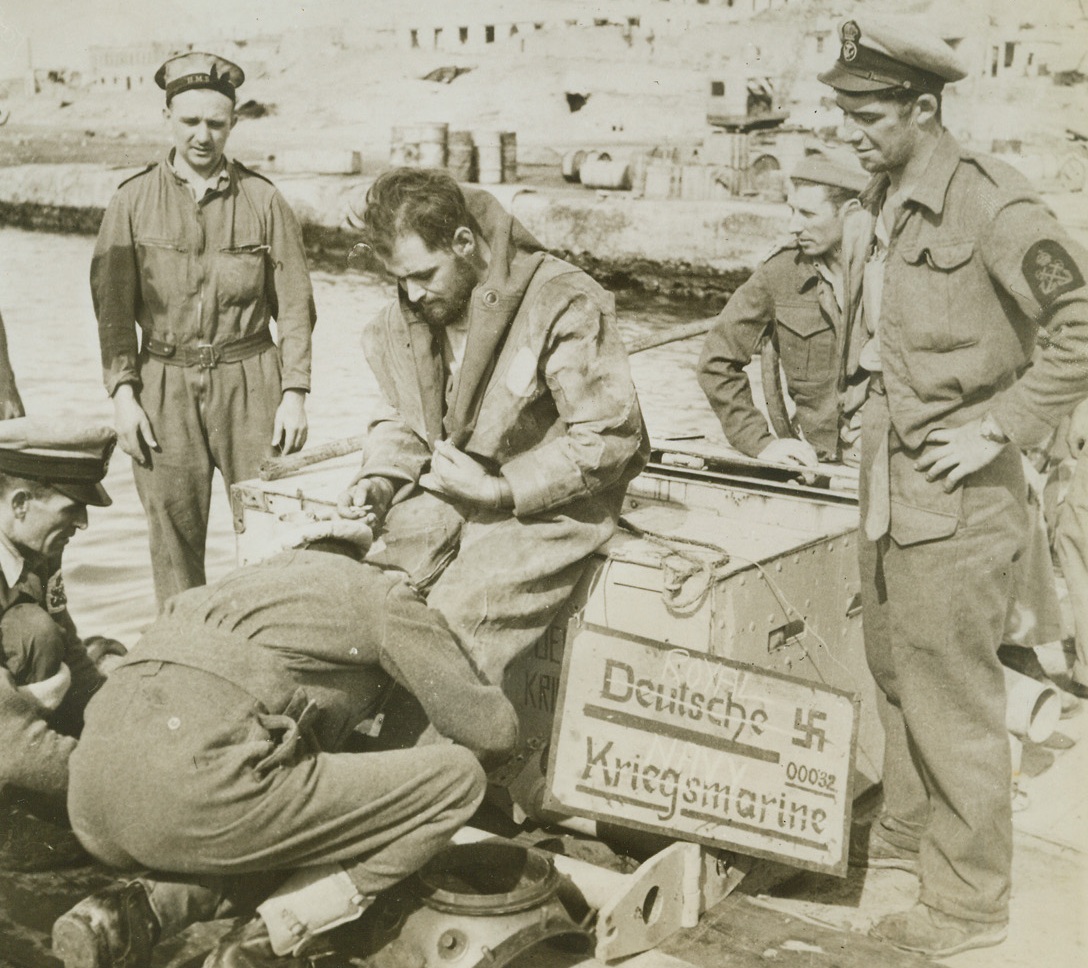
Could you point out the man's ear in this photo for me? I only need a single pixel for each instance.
(20, 500)
(925, 108)
(464, 242)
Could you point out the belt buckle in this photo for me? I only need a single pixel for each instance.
(209, 357)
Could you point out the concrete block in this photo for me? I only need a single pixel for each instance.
(318, 161)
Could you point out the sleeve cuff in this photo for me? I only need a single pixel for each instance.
(535, 489)
(1025, 428)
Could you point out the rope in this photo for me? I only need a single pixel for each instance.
(687, 578)
(678, 577)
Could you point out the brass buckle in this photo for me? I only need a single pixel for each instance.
(209, 356)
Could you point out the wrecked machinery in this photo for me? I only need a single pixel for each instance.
(706, 683)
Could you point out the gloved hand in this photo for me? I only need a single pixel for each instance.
(368, 498)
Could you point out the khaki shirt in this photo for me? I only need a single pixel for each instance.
(789, 298)
(209, 271)
(977, 268)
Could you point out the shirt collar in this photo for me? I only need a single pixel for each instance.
(834, 282)
(11, 562)
(201, 186)
(932, 187)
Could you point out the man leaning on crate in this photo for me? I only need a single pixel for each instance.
(512, 427)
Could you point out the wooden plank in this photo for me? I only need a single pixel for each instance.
(738, 934)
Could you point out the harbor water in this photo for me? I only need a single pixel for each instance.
(52, 339)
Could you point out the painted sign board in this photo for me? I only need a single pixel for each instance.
(702, 748)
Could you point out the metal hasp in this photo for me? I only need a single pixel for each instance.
(637, 911)
(668, 892)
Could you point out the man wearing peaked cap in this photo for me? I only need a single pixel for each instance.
(969, 326)
(789, 310)
(49, 473)
(195, 256)
(878, 54)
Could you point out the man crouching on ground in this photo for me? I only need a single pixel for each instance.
(213, 753)
(50, 471)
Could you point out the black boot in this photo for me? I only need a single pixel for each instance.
(113, 928)
(247, 945)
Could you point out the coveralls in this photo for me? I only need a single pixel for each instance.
(201, 280)
(213, 751)
(975, 267)
(791, 298)
(543, 396)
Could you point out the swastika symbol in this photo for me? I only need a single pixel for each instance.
(809, 730)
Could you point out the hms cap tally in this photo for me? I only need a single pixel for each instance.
(182, 72)
(878, 54)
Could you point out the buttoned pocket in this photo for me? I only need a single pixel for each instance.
(806, 342)
(240, 274)
(940, 294)
(921, 510)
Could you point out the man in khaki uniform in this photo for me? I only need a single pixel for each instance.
(49, 474)
(221, 755)
(953, 268)
(795, 297)
(198, 254)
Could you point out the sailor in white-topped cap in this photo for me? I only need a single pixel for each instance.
(197, 69)
(50, 471)
(968, 321)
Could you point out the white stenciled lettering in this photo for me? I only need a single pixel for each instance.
(733, 718)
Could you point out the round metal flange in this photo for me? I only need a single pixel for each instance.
(487, 878)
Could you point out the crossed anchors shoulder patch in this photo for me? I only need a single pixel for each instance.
(1050, 271)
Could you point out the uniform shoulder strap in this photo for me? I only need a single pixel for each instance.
(249, 171)
(140, 174)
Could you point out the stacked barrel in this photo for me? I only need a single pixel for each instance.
(487, 157)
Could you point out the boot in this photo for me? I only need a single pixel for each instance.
(112, 928)
(936, 934)
(247, 945)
